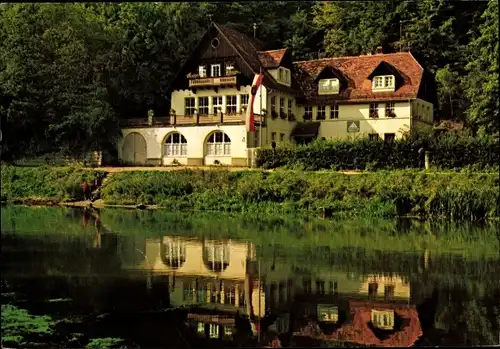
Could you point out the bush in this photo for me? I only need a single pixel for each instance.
(44, 183)
(448, 151)
(383, 193)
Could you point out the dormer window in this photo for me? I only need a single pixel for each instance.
(328, 86)
(384, 82)
(202, 71)
(215, 70)
(383, 319)
(284, 75)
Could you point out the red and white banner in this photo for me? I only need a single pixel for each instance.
(256, 85)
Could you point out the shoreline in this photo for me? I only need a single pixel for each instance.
(324, 194)
(98, 204)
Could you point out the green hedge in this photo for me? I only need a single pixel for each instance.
(382, 193)
(44, 183)
(448, 151)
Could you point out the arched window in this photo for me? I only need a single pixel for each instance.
(173, 252)
(218, 143)
(216, 256)
(175, 145)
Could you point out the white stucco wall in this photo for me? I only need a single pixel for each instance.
(279, 125)
(196, 137)
(337, 128)
(275, 74)
(194, 265)
(422, 116)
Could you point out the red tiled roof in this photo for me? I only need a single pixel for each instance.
(358, 331)
(356, 70)
(271, 59)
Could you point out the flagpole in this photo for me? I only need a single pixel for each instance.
(261, 114)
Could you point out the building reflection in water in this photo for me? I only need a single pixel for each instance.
(222, 283)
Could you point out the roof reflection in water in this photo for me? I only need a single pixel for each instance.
(223, 282)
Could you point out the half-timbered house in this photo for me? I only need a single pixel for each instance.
(377, 96)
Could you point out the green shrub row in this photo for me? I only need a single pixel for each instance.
(44, 183)
(447, 151)
(383, 193)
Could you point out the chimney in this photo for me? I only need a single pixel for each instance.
(379, 50)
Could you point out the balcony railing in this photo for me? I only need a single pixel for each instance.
(187, 120)
(215, 81)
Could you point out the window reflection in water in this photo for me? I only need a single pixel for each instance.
(173, 252)
(216, 256)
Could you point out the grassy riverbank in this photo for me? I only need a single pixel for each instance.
(44, 184)
(379, 194)
(469, 196)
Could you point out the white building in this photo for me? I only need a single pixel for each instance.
(379, 96)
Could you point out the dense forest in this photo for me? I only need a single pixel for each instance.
(68, 72)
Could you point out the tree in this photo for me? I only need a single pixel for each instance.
(49, 81)
(354, 28)
(481, 82)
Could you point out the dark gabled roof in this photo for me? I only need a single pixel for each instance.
(246, 46)
(248, 49)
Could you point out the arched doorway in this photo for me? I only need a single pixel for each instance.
(134, 149)
(218, 149)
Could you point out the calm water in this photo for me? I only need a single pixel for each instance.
(152, 279)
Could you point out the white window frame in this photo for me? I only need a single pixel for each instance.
(212, 70)
(290, 107)
(229, 67)
(328, 86)
(214, 331)
(202, 108)
(216, 104)
(282, 137)
(231, 104)
(244, 101)
(373, 109)
(284, 75)
(202, 71)
(384, 83)
(189, 109)
(228, 331)
(172, 148)
(308, 111)
(273, 136)
(222, 148)
(334, 111)
(230, 295)
(273, 103)
(282, 105)
(201, 328)
(382, 319)
(321, 110)
(389, 107)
